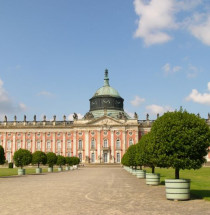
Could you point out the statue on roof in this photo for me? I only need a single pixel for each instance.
(88, 116)
(15, 118)
(158, 115)
(34, 118)
(54, 118)
(147, 117)
(44, 118)
(135, 115)
(64, 118)
(5, 118)
(75, 116)
(24, 118)
(208, 116)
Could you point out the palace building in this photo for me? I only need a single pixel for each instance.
(101, 136)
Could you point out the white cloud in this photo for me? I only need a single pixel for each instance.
(170, 70)
(155, 18)
(158, 18)
(7, 105)
(200, 98)
(200, 27)
(137, 101)
(45, 93)
(192, 71)
(70, 116)
(155, 109)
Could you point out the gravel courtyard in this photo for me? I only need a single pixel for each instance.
(89, 191)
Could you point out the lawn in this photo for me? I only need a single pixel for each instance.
(200, 180)
(29, 170)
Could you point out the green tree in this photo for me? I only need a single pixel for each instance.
(2, 156)
(132, 156)
(22, 157)
(181, 139)
(39, 157)
(69, 161)
(51, 159)
(146, 152)
(124, 159)
(75, 160)
(61, 160)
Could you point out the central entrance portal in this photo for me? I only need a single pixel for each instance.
(105, 157)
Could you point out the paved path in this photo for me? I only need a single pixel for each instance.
(90, 191)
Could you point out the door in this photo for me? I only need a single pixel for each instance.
(105, 158)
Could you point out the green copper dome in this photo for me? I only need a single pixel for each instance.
(106, 90)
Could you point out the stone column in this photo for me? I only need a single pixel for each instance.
(86, 143)
(4, 141)
(112, 146)
(64, 143)
(74, 144)
(34, 142)
(98, 146)
(24, 140)
(13, 144)
(43, 142)
(53, 143)
(124, 142)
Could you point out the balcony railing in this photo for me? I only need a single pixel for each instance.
(106, 148)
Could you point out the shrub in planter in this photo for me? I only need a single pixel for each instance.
(22, 157)
(2, 156)
(38, 158)
(10, 165)
(147, 155)
(51, 160)
(69, 162)
(60, 162)
(182, 140)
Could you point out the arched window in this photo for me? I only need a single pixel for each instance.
(69, 144)
(38, 145)
(80, 144)
(130, 141)
(80, 156)
(28, 144)
(49, 144)
(92, 143)
(92, 158)
(105, 143)
(18, 144)
(118, 144)
(9, 144)
(118, 157)
(58, 144)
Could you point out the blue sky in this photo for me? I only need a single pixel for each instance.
(53, 55)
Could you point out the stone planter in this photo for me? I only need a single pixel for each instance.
(71, 168)
(75, 167)
(133, 172)
(141, 173)
(60, 169)
(50, 169)
(67, 168)
(177, 189)
(21, 171)
(38, 170)
(152, 178)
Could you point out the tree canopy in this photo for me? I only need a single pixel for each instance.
(2, 156)
(22, 157)
(181, 140)
(61, 160)
(39, 157)
(51, 159)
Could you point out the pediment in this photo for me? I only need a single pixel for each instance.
(105, 120)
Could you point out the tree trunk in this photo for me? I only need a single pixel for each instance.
(140, 167)
(38, 165)
(153, 169)
(176, 173)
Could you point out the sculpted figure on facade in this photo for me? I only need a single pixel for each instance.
(75, 116)
(44, 118)
(88, 115)
(135, 115)
(121, 115)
